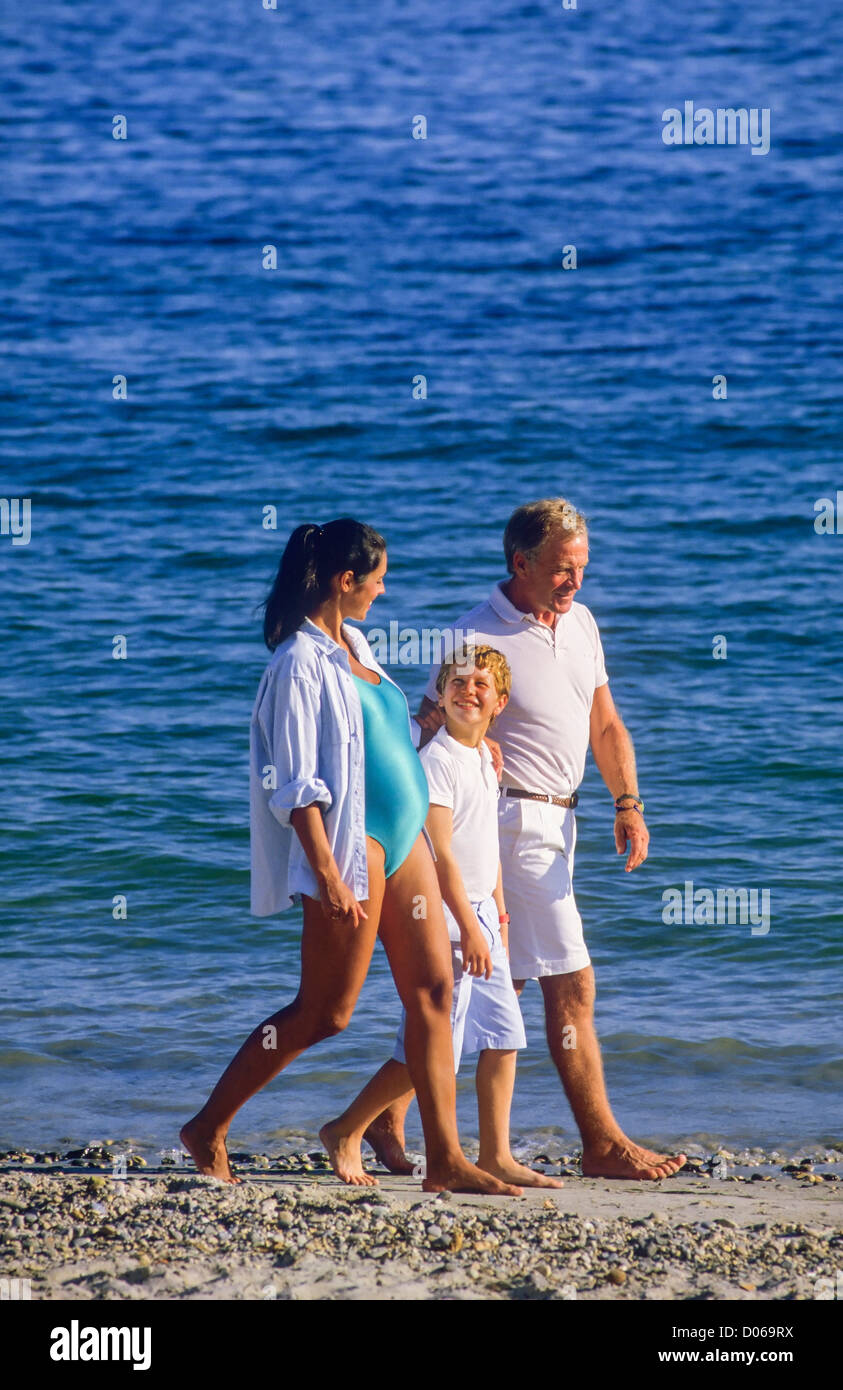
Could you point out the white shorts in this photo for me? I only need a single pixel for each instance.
(484, 1013)
(537, 843)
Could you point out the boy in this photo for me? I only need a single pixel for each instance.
(462, 823)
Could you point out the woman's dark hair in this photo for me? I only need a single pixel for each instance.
(312, 556)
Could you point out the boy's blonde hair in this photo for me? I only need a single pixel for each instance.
(485, 658)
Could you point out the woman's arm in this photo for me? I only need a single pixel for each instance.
(335, 895)
(291, 720)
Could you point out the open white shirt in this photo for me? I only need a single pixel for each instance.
(544, 730)
(306, 744)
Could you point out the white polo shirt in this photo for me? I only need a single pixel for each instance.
(464, 779)
(544, 730)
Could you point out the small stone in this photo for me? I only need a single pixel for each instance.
(616, 1276)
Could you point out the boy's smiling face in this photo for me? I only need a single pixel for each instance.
(470, 698)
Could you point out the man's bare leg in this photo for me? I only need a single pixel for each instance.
(342, 1137)
(495, 1083)
(607, 1152)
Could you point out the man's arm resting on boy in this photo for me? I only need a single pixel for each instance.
(477, 959)
(430, 717)
(615, 759)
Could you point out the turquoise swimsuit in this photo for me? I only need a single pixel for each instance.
(396, 787)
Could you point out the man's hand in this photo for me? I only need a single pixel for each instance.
(476, 956)
(497, 756)
(631, 830)
(430, 718)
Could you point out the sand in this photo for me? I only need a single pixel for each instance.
(76, 1232)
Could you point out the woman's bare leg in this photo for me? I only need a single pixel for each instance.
(412, 928)
(335, 959)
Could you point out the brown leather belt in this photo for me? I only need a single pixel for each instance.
(542, 796)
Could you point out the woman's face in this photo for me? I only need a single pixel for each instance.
(358, 597)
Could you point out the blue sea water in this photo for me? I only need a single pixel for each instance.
(292, 388)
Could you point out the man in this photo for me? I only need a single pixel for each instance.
(560, 703)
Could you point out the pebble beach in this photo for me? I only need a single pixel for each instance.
(728, 1227)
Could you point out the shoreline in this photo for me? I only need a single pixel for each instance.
(78, 1233)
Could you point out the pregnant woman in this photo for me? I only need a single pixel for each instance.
(339, 800)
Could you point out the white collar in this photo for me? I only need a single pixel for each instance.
(354, 638)
(461, 750)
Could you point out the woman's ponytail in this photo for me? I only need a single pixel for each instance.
(312, 556)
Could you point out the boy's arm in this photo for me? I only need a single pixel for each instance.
(477, 959)
(501, 906)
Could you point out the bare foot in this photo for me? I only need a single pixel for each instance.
(208, 1151)
(628, 1160)
(388, 1145)
(465, 1177)
(346, 1160)
(512, 1171)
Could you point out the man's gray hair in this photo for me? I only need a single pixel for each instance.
(529, 526)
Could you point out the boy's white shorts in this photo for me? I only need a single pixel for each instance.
(537, 843)
(484, 1013)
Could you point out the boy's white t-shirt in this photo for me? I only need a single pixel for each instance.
(464, 779)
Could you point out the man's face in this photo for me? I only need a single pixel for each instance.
(553, 577)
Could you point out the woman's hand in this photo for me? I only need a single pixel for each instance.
(338, 901)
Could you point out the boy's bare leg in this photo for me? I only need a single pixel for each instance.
(342, 1137)
(386, 1135)
(495, 1083)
